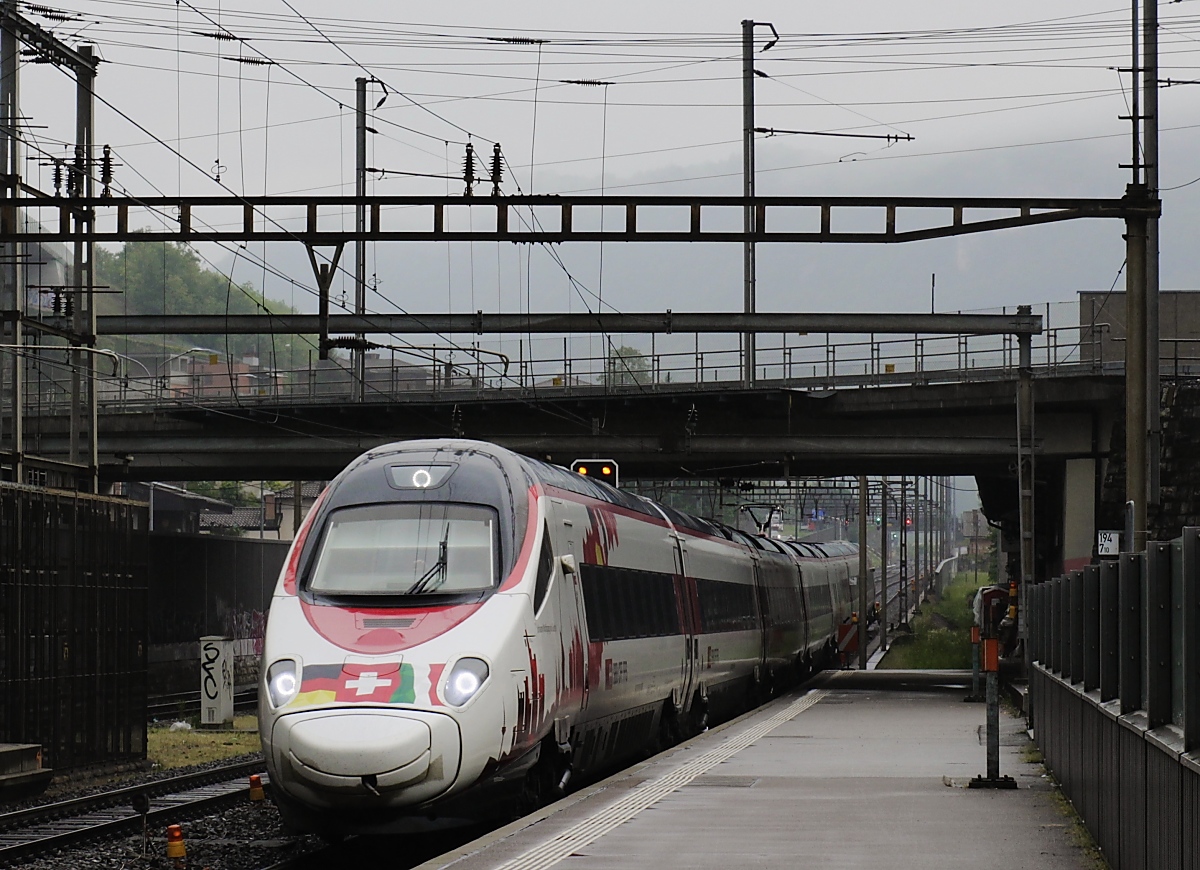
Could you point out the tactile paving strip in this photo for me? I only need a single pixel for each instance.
(594, 827)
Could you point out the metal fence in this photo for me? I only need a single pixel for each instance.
(583, 365)
(1115, 700)
(73, 625)
(558, 366)
(208, 585)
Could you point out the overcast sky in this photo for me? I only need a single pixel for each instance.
(1016, 98)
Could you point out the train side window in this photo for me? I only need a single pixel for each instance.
(545, 572)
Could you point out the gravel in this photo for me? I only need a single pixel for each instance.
(246, 837)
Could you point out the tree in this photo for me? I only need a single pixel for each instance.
(627, 365)
(169, 278)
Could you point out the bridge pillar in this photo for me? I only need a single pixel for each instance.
(1078, 513)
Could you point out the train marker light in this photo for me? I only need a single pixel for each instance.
(418, 476)
(601, 469)
(282, 682)
(465, 680)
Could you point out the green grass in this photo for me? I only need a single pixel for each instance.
(167, 748)
(941, 634)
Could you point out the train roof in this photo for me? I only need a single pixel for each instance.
(354, 486)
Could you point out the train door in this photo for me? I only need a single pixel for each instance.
(687, 618)
(805, 611)
(574, 609)
(758, 573)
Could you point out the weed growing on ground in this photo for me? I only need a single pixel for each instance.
(942, 633)
(1078, 832)
(167, 748)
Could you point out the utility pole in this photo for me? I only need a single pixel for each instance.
(1150, 153)
(359, 353)
(864, 574)
(903, 620)
(83, 324)
(931, 526)
(12, 283)
(1138, 349)
(748, 263)
(1025, 471)
(1135, 370)
(883, 551)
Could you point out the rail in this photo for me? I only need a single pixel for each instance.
(183, 704)
(42, 829)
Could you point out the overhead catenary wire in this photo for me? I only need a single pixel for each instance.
(642, 42)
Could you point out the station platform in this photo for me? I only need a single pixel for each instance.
(858, 769)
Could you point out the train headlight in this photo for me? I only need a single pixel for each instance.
(465, 679)
(282, 682)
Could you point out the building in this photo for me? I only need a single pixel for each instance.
(173, 508)
(1102, 329)
(282, 503)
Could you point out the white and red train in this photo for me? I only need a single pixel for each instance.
(457, 625)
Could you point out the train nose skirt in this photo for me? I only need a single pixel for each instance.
(372, 753)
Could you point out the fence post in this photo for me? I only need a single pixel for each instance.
(1158, 627)
(1109, 630)
(1091, 628)
(1054, 627)
(1077, 621)
(1129, 630)
(1033, 613)
(1190, 639)
(1064, 628)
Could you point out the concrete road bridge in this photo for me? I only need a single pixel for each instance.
(942, 405)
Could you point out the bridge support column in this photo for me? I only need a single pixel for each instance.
(1079, 513)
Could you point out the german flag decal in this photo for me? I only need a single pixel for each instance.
(383, 683)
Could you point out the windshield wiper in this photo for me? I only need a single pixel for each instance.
(438, 570)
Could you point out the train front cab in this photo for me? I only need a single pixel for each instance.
(395, 635)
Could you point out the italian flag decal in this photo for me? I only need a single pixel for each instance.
(382, 683)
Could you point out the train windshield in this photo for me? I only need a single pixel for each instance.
(407, 549)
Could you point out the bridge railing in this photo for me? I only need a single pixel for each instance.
(565, 367)
(1115, 698)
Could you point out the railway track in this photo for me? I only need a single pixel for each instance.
(40, 830)
(184, 704)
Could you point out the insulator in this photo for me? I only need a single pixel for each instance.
(58, 176)
(497, 169)
(469, 169)
(78, 173)
(106, 171)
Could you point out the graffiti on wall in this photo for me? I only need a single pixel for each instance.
(250, 625)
